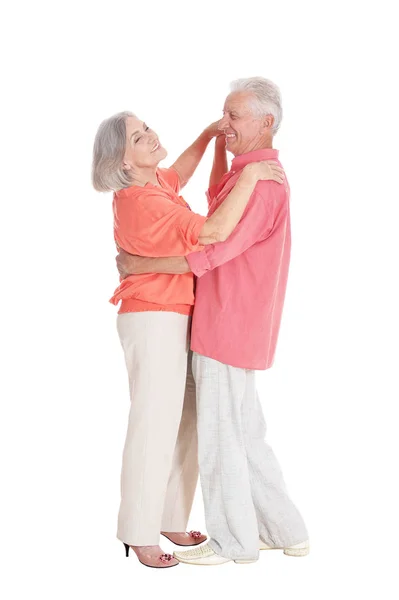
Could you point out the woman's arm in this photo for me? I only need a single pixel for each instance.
(187, 162)
(219, 167)
(225, 218)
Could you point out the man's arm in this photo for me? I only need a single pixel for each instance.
(219, 167)
(255, 225)
(252, 226)
(187, 162)
(129, 264)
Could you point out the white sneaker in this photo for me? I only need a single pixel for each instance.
(301, 549)
(204, 555)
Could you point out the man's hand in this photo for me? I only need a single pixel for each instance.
(126, 263)
(131, 264)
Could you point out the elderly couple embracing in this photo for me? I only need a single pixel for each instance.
(201, 300)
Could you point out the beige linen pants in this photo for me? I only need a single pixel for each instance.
(245, 497)
(159, 468)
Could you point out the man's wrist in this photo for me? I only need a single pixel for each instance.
(130, 265)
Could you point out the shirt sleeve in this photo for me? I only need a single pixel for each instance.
(152, 225)
(255, 226)
(213, 191)
(172, 178)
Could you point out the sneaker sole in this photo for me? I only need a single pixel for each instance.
(291, 551)
(296, 551)
(212, 564)
(245, 562)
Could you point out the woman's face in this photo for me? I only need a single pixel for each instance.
(143, 148)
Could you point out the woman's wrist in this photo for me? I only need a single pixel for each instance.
(207, 135)
(221, 141)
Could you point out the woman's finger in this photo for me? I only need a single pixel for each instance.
(280, 173)
(278, 177)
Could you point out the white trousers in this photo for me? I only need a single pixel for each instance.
(160, 467)
(245, 497)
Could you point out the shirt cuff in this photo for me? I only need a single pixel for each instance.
(198, 263)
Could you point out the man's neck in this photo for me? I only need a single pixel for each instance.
(261, 145)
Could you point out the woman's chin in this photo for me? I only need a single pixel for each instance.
(163, 153)
(159, 155)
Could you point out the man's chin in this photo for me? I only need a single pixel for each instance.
(232, 147)
(233, 151)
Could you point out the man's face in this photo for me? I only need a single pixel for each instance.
(243, 131)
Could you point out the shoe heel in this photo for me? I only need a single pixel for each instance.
(127, 548)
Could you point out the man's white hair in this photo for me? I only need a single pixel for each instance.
(266, 97)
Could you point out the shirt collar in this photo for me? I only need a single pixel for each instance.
(240, 161)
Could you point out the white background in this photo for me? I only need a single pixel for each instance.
(331, 398)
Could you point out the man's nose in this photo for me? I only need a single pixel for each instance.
(223, 123)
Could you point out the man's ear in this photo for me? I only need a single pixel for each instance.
(268, 122)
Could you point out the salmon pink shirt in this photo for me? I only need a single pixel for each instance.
(155, 221)
(241, 282)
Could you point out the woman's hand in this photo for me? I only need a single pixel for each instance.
(213, 130)
(265, 170)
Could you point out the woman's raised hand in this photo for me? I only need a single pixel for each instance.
(213, 130)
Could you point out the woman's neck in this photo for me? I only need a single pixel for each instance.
(143, 176)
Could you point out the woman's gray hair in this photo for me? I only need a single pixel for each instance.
(267, 97)
(107, 172)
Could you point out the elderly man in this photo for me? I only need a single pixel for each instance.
(240, 293)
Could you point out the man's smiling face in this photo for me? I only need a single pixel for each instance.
(244, 131)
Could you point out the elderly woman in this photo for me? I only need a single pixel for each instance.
(159, 469)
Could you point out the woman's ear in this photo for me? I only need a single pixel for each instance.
(126, 166)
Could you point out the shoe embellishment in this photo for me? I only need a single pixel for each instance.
(165, 557)
(195, 534)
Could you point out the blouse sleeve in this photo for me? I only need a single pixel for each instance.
(152, 225)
